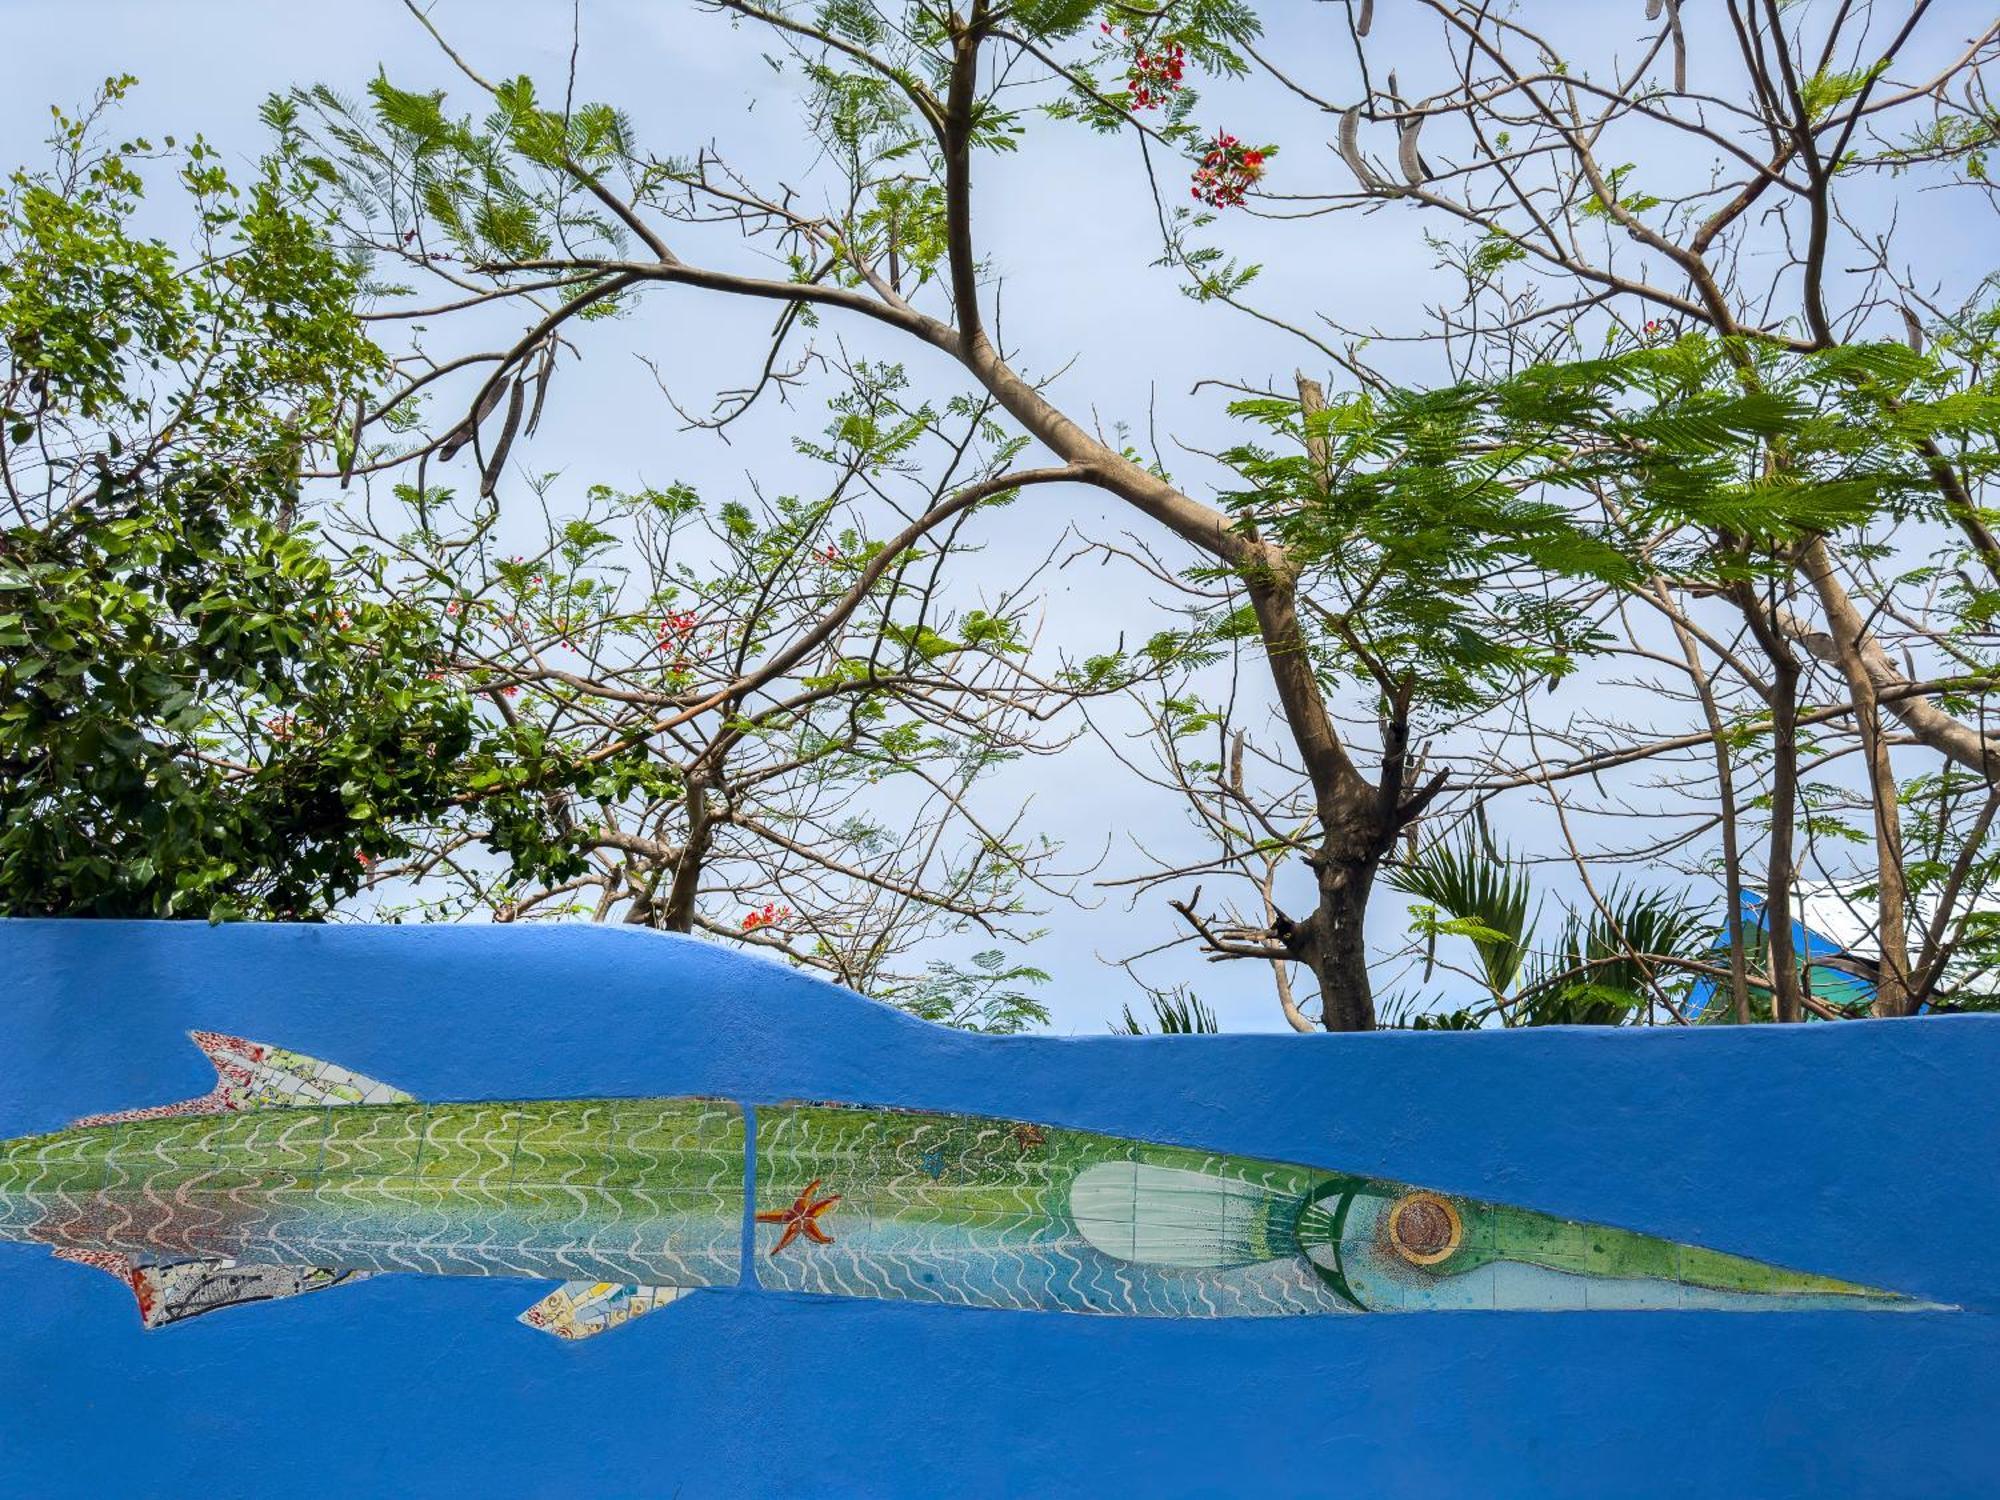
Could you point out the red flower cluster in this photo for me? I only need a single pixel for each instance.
(771, 914)
(1228, 170)
(1154, 75)
(676, 626)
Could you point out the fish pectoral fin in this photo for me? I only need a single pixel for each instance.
(174, 1291)
(1176, 1216)
(579, 1309)
(256, 1075)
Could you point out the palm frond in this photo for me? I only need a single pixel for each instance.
(1478, 886)
(1599, 972)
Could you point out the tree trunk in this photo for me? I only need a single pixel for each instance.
(1333, 941)
(1785, 986)
(1725, 782)
(678, 913)
(1787, 996)
(1851, 646)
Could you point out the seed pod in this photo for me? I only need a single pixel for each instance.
(423, 490)
(468, 430)
(1652, 10)
(1912, 330)
(1367, 18)
(1673, 8)
(491, 476)
(353, 453)
(542, 372)
(1350, 149)
(1406, 152)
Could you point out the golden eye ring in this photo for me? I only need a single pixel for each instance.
(1424, 1228)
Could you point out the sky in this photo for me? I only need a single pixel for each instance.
(1068, 227)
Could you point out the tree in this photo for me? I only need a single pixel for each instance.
(1402, 563)
(785, 725)
(1617, 197)
(1677, 452)
(521, 203)
(227, 697)
(199, 715)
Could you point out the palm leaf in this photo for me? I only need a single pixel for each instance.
(1478, 886)
(1596, 981)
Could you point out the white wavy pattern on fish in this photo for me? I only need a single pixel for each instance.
(975, 1212)
(643, 1191)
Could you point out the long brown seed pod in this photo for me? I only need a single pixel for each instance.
(1350, 149)
(542, 372)
(467, 430)
(508, 428)
(1406, 152)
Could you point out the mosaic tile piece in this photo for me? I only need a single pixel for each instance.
(584, 1309)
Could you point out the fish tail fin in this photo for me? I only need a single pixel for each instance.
(256, 1075)
(172, 1292)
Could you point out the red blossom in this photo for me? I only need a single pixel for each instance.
(770, 914)
(1227, 170)
(1155, 75)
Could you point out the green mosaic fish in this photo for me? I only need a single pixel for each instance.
(294, 1175)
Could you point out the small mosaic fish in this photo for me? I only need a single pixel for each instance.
(294, 1175)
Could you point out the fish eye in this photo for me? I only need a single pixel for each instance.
(1424, 1228)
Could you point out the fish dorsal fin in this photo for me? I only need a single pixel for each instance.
(256, 1075)
(1174, 1216)
(581, 1309)
(174, 1292)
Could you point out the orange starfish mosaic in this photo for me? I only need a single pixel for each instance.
(801, 1218)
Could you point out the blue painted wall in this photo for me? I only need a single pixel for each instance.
(1865, 1150)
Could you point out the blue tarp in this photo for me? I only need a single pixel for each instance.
(1836, 987)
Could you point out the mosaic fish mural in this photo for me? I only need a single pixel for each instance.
(293, 1175)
